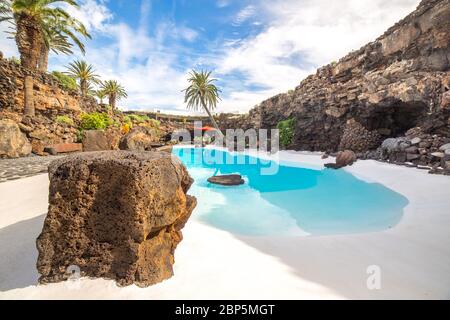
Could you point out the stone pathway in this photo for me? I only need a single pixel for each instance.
(13, 169)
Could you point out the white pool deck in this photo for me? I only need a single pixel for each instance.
(413, 257)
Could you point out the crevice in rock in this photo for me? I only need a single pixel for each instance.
(394, 118)
(154, 232)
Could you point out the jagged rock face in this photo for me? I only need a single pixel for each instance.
(49, 97)
(387, 86)
(13, 143)
(115, 215)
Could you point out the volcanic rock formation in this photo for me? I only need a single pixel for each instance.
(397, 82)
(116, 215)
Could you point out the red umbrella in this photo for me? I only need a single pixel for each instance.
(207, 128)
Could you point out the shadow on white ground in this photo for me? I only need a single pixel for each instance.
(19, 254)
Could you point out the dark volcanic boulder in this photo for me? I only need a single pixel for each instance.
(227, 180)
(116, 215)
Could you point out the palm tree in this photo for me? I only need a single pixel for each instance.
(56, 43)
(100, 94)
(202, 93)
(114, 91)
(56, 39)
(31, 19)
(84, 73)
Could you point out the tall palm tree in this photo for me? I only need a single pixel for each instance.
(84, 73)
(31, 21)
(114, 91)
(202, 93)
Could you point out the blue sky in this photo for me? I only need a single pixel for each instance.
(255, 48)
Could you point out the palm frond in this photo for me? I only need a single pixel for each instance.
(201, 93)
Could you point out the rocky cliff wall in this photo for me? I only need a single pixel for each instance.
(49, 97)
(399, 81)
(50, 100)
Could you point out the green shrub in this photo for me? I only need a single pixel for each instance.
(65, 120)
(95, 121)
(286, 128)
(137, 118)
(14, 60)
(65, 81)
(80, 135)
(155, 123)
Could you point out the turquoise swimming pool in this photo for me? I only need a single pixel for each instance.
(293, 201)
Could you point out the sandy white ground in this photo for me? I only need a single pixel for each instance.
(414, 256)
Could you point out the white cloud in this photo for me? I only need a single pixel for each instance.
(95, 15)
(7, 46)
(243, 15)
(223, 3)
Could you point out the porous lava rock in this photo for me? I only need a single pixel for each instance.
(115, 215)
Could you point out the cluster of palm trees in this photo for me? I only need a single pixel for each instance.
(41, 26)
(86, 78)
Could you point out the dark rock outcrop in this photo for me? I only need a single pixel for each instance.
(227, 180)
(115, 215)
(416, 148)
(399, 81)
(357, 138)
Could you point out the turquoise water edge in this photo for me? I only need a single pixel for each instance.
(293, 201)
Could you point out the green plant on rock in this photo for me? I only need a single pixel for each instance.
(155, 123)
(286, 128)
(14, 60)
(138, 118)
(65, 81)
(80, 135)
(116, 124)
(95, 121)
(64, 120)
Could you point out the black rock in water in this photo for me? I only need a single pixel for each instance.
(227, 180)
